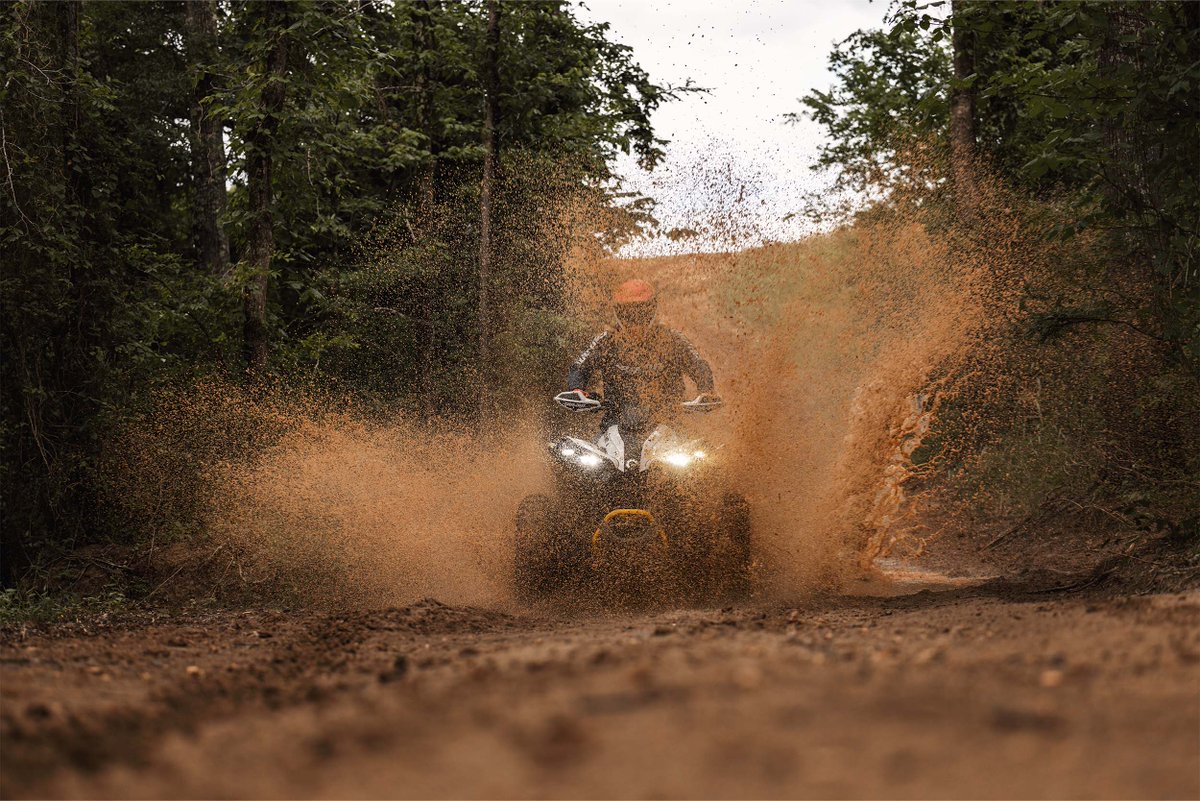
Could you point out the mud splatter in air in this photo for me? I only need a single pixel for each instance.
(833, 353)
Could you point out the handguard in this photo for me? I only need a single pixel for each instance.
(704, 402)
(578, 401)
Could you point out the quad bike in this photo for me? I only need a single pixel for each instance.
(641, 515)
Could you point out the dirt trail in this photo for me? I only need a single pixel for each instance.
(984, 691)
(910, 684)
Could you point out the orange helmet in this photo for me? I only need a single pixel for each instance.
(635, 301)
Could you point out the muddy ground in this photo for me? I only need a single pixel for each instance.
(995, 690)
(915, 684)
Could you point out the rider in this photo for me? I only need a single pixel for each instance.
(641, 361)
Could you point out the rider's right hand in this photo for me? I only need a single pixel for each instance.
(584, 394)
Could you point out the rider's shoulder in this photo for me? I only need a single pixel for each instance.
(677, 335)
(600, 338)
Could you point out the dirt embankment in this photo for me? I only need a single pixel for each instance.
(990, 691)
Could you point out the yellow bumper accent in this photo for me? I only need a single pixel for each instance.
(618, 513)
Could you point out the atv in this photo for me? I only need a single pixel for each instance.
(642, 515)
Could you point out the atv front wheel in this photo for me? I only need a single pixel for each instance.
(538, 565)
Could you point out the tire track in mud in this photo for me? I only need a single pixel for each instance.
(942, 693)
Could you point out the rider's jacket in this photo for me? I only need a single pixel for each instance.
(643, 366)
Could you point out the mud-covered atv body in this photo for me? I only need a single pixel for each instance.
(642, 514)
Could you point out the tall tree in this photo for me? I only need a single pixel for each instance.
(260, 145)
(425, 45)
(962, 106)
(491, 155)
(206, 139)
(68, 31)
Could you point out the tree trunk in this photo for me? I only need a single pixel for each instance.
(1128, 182)
(425, 43)
(208, 146)
(491, 155)
(259, 147)
(68, 32)
(962, 109)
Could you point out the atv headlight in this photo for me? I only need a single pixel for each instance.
(575, 455)
(684, 458)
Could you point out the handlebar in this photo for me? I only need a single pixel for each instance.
(579, 402)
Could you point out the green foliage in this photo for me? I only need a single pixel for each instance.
(1100, 101)
(90, 238)
(375, 160)
(17, 606)
(890, 96)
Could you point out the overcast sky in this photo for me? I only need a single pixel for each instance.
(733, 162)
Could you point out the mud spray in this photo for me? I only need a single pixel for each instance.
(833, 353)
